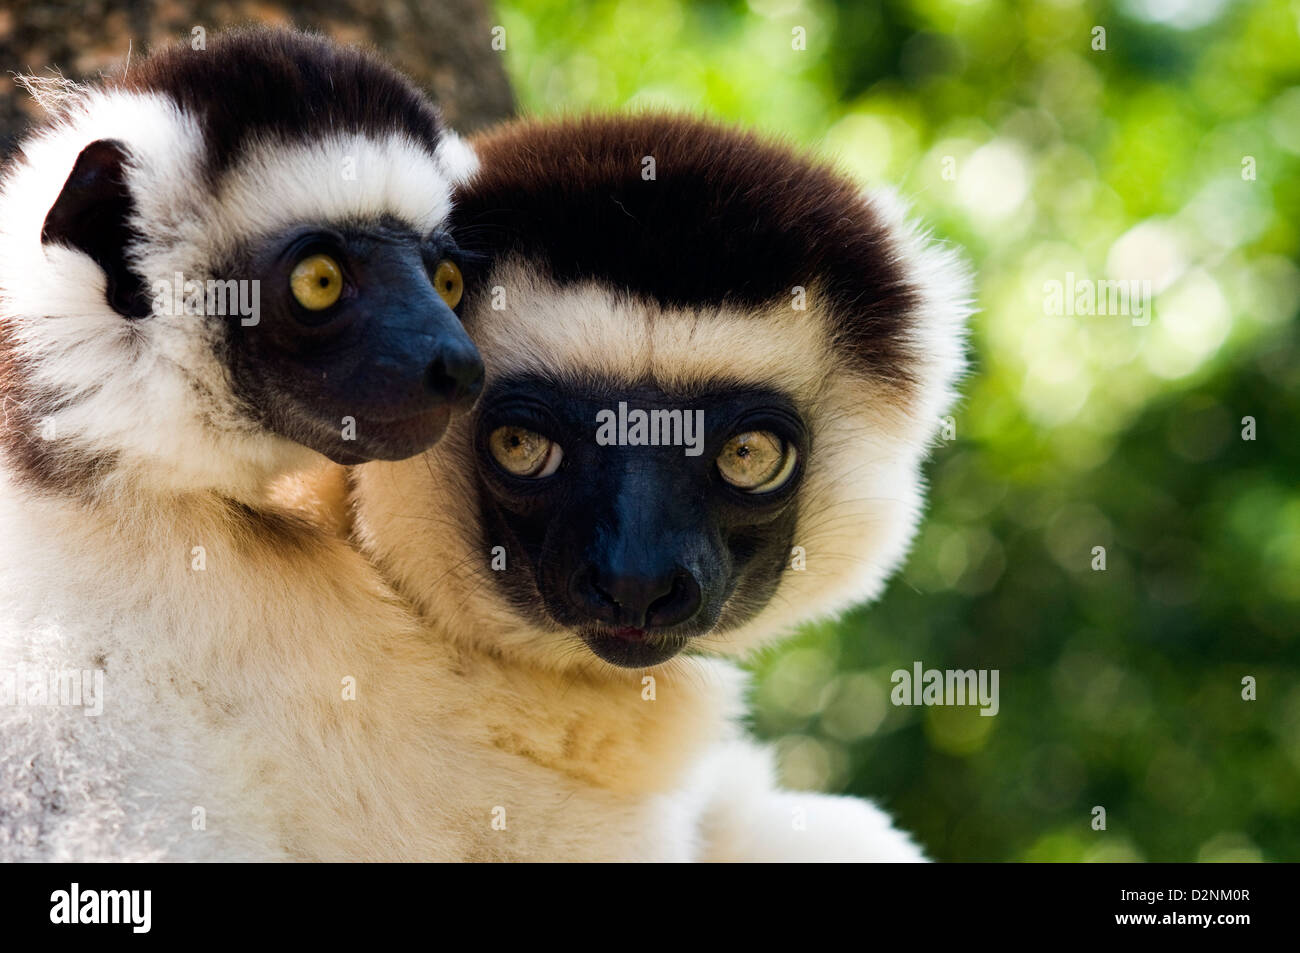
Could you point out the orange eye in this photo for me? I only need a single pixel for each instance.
(317, 282)
(449, 283)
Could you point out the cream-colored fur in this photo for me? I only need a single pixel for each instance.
(860, 503)
(227, 693)
(267, 695)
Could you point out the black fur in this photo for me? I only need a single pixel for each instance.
(281, 86)
(93, 214)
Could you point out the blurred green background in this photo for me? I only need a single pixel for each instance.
(1041, 156)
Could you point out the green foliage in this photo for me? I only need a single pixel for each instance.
(1174, 155)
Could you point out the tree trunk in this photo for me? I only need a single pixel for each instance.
(444, 45)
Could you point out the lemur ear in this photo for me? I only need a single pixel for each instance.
(93, 215)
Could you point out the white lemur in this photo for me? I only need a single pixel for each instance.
(249, 687)
(706, 354)
(214, 269)
(264, 694)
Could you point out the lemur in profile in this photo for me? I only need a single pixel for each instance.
(704, 353)
(222, 266)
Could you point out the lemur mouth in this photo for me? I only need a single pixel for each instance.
(390, 439)
(421, 430)
(630, 647)
(628, 632)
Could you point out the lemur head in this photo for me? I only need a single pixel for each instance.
(714, 369)
(224, 256)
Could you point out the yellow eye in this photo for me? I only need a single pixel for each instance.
(525, 453)
(317, 282)
(757, 461)
(448, 282)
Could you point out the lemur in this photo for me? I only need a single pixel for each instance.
(265, 694)
(221, 266)
(714, 370)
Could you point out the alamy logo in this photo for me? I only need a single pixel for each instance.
(1106, 297)
(214, 297)
(133, 907)
(39, 688)
(651, 428)
(932, 686)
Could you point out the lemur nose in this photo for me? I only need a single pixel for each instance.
(637, 600)
(456, 376)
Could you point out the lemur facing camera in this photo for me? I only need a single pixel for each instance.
(214, 269)
(703, 351)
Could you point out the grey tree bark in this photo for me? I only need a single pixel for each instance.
(444, 45)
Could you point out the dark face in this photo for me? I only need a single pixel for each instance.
(638, 548)
(356, 351)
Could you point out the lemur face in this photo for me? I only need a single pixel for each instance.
(356, 322)
(226, 256)
(639, 519)
(710, 390)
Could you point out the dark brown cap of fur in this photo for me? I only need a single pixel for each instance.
(728, 218)
(279, 85)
